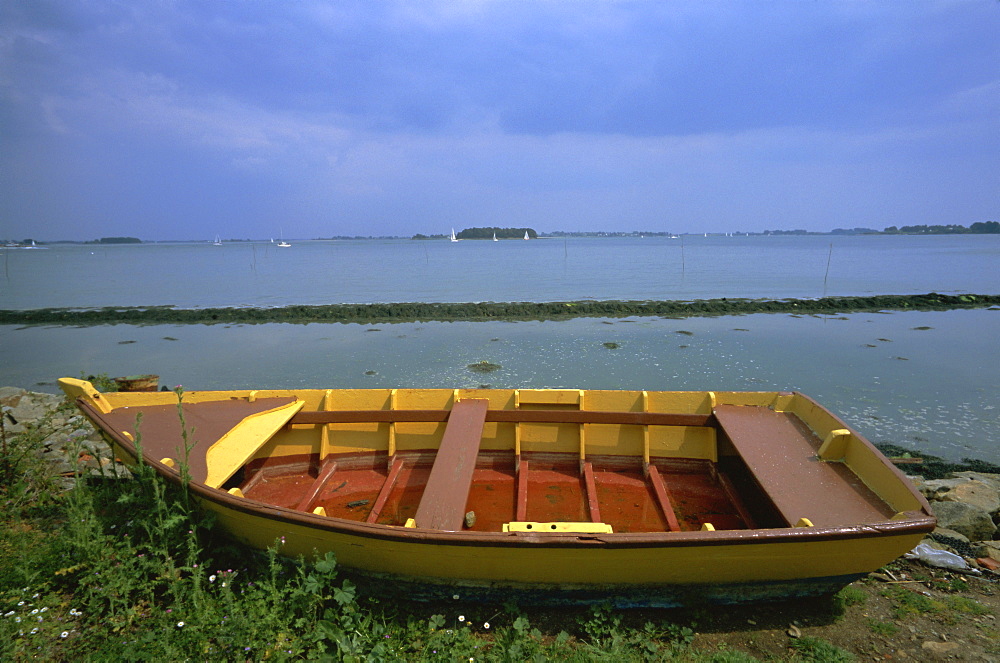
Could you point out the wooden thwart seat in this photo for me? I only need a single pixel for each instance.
(524, 416)
(781, 454)
(442, 506)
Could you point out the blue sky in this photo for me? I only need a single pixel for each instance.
(183, 120)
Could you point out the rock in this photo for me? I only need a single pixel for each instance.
(939, 648)
(956, 542)
(60, 465)
(974, 493)
(28, 409)
(67, 442)
(973, 523)
(991, 479)
(933, 488)
(944, 531)
(10, 396)
(992, 549)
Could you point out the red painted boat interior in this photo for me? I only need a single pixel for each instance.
(548, 487)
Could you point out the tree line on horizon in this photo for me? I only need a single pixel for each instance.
(487, 232)
(978, 228)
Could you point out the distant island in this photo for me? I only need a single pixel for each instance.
(486, 232)
(980, 228)
(116, 240)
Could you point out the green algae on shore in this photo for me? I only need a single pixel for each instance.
(478, 311)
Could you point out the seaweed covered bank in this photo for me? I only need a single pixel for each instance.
(477, 311)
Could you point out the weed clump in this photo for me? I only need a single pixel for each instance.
(484, 367)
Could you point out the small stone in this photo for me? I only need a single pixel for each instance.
(470, 519)
(794, 632)
(939, 648)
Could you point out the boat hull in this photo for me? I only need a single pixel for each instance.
(650, 571)
(682, 562)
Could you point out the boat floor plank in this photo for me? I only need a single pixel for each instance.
(781, 454)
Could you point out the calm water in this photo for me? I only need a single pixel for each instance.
(246, 274)
(923, 379)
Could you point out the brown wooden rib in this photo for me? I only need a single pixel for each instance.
(663, 497)
(734, 498)
(522, 491)
(526, 416)
(593, 505)
(383, 494)
(325, 473)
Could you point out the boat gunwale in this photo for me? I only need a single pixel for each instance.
(889, 528)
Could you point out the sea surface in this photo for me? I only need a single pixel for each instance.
(926, 380)
(362, 271)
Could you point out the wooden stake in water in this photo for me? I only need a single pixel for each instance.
(682, 257)
(827, 275)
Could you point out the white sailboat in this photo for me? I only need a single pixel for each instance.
(453, 238)
(218, 241)
(495, 237)
(526, 235)
(281, 240)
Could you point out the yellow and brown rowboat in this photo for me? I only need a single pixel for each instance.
(543, 495)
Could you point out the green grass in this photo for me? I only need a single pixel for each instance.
(814, 649)
(887, 629)
(906, 602)
(847, 597)
(967, 605)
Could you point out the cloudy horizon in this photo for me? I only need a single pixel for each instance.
(183, 120)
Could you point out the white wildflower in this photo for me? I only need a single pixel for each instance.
(180, 624)
(64, 634)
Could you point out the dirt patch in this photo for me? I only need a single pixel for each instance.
(912, 612)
